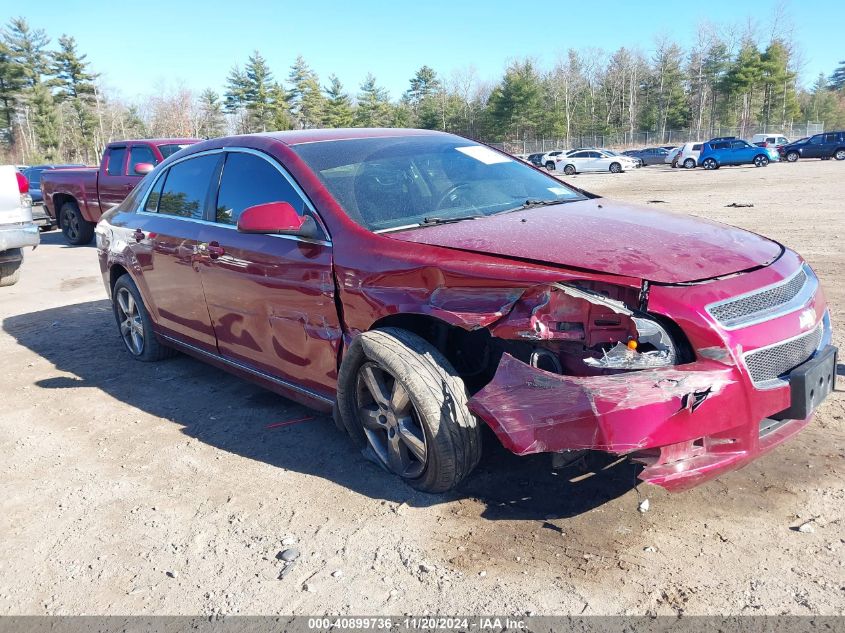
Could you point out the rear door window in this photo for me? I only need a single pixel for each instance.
(186, 187)
(115, 160)
(696, 147)
(249, 180)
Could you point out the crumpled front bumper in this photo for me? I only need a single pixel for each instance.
(687, 423)
(18, 235)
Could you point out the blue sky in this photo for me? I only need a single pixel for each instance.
(139, 46)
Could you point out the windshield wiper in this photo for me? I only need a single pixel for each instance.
(436, 220)
(531, 204)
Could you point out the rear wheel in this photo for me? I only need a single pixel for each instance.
(839, 154)
(710, 163)
(134, 323)
(569, 170)
(404, 404)
(10, 272)
(550, 166)
(615, 168)
(792, 157)
(689, 163)
(77, 230)
(761, 161)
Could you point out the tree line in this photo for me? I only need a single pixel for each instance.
(53, 107)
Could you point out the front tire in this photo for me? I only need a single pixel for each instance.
(134, 323)
(839, 154)
(710, 164)
(792, 157)
(689, 163)
(403, 403)
(76, 229)
(615, 168)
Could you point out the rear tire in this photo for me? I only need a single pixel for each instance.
(791, 157)
(76, 229)
(615, 168)
(134, 323)
(689, 163)
(418, 426)
(550, 166)
(10, 272)
(761, 161)
(569, 170)
(710, 164)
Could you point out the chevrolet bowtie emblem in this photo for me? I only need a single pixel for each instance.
(807, 319)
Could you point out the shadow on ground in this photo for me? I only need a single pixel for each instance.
(242, 418)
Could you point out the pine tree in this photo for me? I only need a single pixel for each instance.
(516, 104)
(259, 81)
(280, 108)
(837, 79)
(338, 106)
(45, 122)
(76, 90)
(12, 79)
(306, 99)
(212, 123)
(234, 98)
(29, 48)
(373, 105)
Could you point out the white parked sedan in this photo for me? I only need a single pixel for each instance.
(595, 160)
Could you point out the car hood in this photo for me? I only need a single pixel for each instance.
(608, 237)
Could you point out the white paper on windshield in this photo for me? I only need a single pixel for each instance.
(560, 191)
(484, 154)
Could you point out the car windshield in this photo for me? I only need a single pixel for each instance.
(402, 181)
(167, 150)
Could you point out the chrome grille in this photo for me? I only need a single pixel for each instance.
(764, 302)
(771, 362)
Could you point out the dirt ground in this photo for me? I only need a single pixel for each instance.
(131, 488)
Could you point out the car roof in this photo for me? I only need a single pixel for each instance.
(298, 137)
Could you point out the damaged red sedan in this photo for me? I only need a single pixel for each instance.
(419, 284)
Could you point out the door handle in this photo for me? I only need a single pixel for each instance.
(138, 235)
(212, 249)
(215, 250)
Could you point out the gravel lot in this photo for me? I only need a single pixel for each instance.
(130, 488)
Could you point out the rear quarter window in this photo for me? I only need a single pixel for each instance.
(697, 147)
(115, 160)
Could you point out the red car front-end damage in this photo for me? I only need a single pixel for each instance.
(686, 422)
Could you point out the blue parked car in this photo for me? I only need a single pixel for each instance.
(734, 151)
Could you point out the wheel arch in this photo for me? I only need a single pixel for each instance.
(59, 199)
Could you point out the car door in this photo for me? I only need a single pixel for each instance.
(743, 152)
(271, 297)
(166, 233)
(831, 142)
(113, 184)
(814, 147)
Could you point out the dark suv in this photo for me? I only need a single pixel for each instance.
(825, 146)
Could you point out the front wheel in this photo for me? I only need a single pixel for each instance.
(710, 163)
(404, 404)
(791, 157)
(689, 163)
(77, 230)
(839, 154)
(134, 323)
(761, 161)
(615, 168)
(569, 170)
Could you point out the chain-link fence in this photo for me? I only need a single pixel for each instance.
(624, 140)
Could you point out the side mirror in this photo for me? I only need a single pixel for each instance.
(143, 168)
(278, 218)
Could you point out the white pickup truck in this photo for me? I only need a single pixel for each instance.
(17, 230)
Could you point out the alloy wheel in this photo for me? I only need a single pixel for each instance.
(129, 318)
(390, 421)
(70, 225)
(709, 164)
(792, 157)
(840, 154)
(761, 161)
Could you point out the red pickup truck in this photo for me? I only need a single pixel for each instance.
(76, 198)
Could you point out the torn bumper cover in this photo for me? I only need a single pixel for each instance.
(686, 423)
